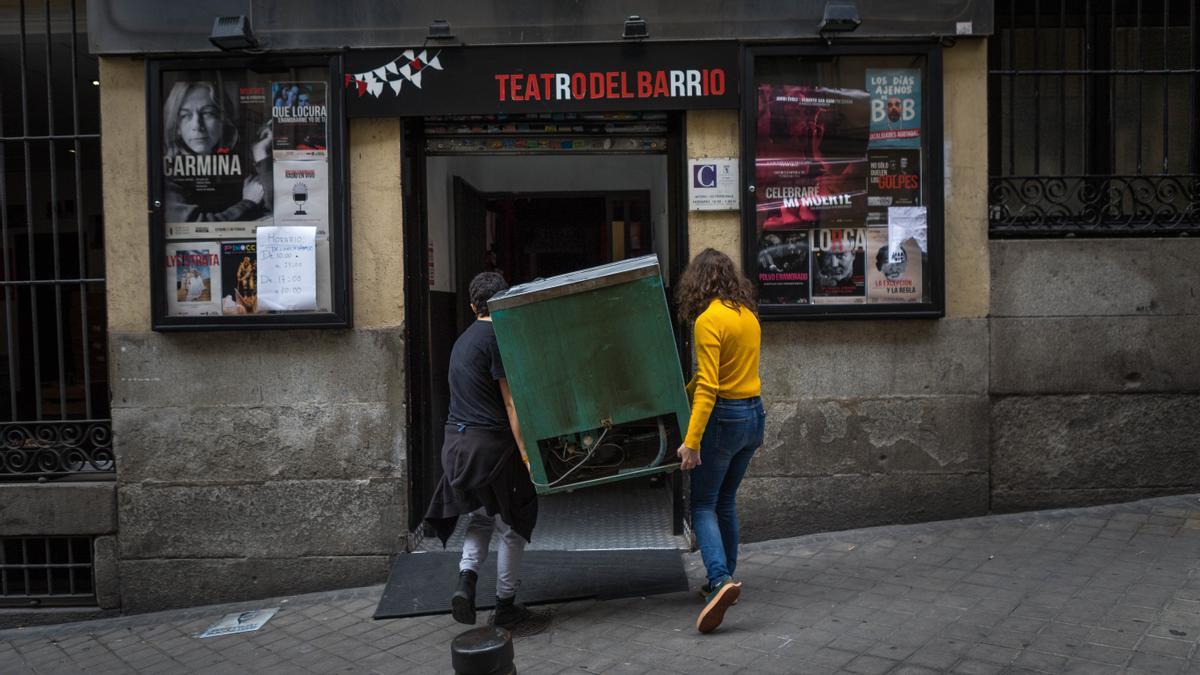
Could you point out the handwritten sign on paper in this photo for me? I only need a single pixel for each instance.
(287, 268)
(907, 222)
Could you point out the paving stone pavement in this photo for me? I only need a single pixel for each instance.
(1097, 590)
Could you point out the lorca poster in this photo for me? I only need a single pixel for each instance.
(838, 266)
(811, 166)
(895, 107)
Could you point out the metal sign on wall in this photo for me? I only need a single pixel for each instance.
(532, 79)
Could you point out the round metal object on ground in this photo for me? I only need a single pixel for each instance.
(483, 651)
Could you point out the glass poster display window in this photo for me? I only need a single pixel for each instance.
(248, 218)
(844, 183)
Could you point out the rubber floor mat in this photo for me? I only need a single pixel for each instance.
(422, 583)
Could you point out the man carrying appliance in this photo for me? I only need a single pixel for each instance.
(485, 467)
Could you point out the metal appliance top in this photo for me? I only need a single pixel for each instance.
(571, 283)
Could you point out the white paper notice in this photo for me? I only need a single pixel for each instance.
(287, 268)
(907, 222)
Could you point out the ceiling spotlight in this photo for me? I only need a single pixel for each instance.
(439, 29)
(840, 17)
(231, 33)
(635, 28)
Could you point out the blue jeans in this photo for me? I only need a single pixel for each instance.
(734, 432)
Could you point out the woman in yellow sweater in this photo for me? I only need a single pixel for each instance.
(727, 415)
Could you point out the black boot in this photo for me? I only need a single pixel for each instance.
(462, 604)
(508, 613)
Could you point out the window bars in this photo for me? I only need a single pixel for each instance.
(54, 404)
(45, 571)
(1092, 118)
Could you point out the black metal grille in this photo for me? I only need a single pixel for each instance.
(1093, 118)
(41, 571)
(54, 405)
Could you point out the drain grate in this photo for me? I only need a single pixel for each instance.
(46, 571)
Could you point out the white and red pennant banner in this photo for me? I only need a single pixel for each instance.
(408, 67)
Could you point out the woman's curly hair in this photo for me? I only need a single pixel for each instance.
(711, 274)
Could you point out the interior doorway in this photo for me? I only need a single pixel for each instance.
(485, 203)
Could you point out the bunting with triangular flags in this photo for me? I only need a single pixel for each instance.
(408, 67)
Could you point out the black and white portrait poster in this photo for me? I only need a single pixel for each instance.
(216, 155)
(300, 115)
(783, 272)
(302, 194)
(839, 266)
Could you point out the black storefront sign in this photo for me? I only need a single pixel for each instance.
(534, 79)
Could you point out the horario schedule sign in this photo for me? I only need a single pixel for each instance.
(541, 78)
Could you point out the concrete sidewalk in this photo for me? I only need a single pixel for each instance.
(1098, 590)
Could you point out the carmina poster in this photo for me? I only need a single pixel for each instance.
(216, 155)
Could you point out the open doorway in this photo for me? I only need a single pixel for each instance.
(534, 214)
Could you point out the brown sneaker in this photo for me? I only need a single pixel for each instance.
(721, 599)
(704, 591)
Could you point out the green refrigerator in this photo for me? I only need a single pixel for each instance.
(595, 377)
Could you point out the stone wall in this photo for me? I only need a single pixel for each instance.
(1095, 371)
(253, 463)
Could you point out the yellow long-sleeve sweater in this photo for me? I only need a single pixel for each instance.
(727, 344)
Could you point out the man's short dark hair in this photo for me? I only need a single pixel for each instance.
(483, 287)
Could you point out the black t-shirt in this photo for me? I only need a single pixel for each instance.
(475, 367)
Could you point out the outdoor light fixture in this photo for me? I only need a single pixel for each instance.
(839, 17)
(439, 29)
(231, 33)
(635, 28)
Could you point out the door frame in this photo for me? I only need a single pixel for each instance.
(415, 229)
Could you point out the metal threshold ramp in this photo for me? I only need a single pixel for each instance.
(627, 515)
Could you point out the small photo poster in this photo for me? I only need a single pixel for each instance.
(193, 278)
(783, 267)
(302, 194)
(299, 115)
(894, 272)
(895, 180)
(239, 277)
(895, 107)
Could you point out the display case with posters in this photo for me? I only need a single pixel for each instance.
(843, 179)
(248, 199)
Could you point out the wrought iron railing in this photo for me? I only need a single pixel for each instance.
(1092, 118)
(46, 449)
(54, 404)
(1095, 204)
